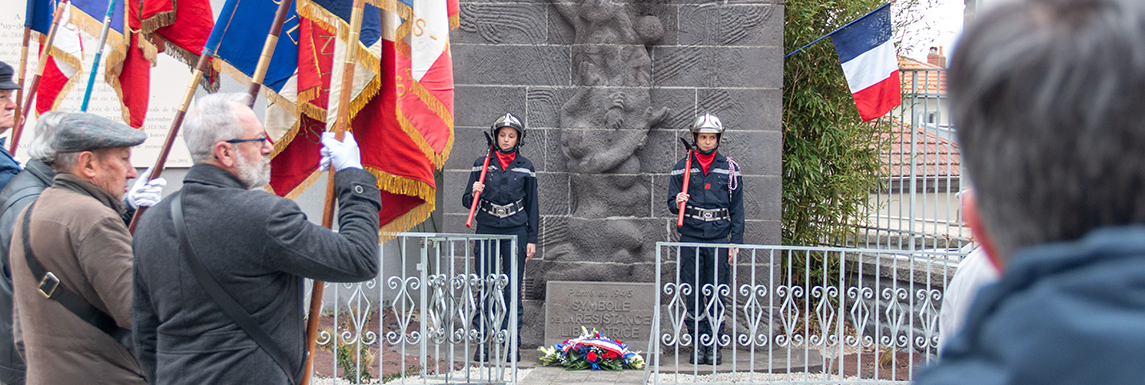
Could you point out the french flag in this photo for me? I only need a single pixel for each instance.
(869, 62)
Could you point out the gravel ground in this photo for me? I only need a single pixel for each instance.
(460, 374)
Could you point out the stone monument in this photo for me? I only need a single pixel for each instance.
(605, 87)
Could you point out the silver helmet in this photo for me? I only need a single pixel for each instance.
(508, 120)
(707, 124)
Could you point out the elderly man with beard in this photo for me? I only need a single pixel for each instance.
(253, 246)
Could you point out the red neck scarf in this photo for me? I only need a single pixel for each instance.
(505, 159)
(706, 160)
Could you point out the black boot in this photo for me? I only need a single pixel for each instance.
(715, 357)
(699, 355)
(481, 355)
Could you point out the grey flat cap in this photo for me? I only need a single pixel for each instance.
(80, 131)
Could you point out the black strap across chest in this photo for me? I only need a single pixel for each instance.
(51, 288)
(222, 298)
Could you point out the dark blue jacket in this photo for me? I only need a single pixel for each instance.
(503, 187)
(709, 192)
(1063, 313)
(8, 166)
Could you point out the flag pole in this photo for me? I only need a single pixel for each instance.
(45, 49)
(23, 68)
(836, 30)
(268, 49)
(157, 170)
(200, 68)
(341, 124)
(98, 55)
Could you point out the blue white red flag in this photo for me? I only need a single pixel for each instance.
(237, 39)
(62, 68)
(869, 62)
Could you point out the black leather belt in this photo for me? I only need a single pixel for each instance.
(502, 211)
(706, 215)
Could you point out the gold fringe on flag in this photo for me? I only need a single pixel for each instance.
(285, 140)
(159, 20)
(72, 61)
(298, 190)
(272, 97)
(93, 27)
(437, 159)
(409, 187)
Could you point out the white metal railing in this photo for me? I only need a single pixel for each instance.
(916, 206)
(859, 315)
(421, 321)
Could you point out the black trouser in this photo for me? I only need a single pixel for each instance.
(706, 294)
(487, 261)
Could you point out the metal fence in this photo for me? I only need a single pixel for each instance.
(432, 308)
(814, 315)
(916, 205)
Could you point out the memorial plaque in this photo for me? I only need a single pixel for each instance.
(619, 310)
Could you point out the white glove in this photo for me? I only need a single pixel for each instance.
(145, 193)
(341, 155)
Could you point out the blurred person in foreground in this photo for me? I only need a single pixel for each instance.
(258, 247)
(1047, 95)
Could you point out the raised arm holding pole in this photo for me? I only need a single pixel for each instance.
(46, 48)
(341, 124)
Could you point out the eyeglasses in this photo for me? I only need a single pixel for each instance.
(261, 140)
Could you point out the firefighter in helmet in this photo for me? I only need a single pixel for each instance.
(713, 213)
(507, 205)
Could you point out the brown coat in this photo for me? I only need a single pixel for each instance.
(78, 235)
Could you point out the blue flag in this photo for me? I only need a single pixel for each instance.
(240, 33)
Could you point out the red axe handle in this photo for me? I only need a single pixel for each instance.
(687, 176)
(477, 194)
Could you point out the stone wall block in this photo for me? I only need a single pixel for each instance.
(553, 193)
(743, 109)
(752, 150)
(500, 23)
(512, 64)
(479, 106)
(544, 106)
(762, 232)
(731, 25)
(684, 66)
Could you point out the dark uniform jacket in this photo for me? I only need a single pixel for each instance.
(502, 187)
(709, 192)
(8, 166)
(23, 189)
(1063, 313)
(259, 247)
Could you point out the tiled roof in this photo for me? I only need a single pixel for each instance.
(931, 79)
(935, 156)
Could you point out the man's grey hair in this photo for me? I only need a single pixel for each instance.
(212, 119)
(1048, 97)
(45, 132)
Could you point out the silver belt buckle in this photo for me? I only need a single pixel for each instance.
(707, 215)
(501, 211)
